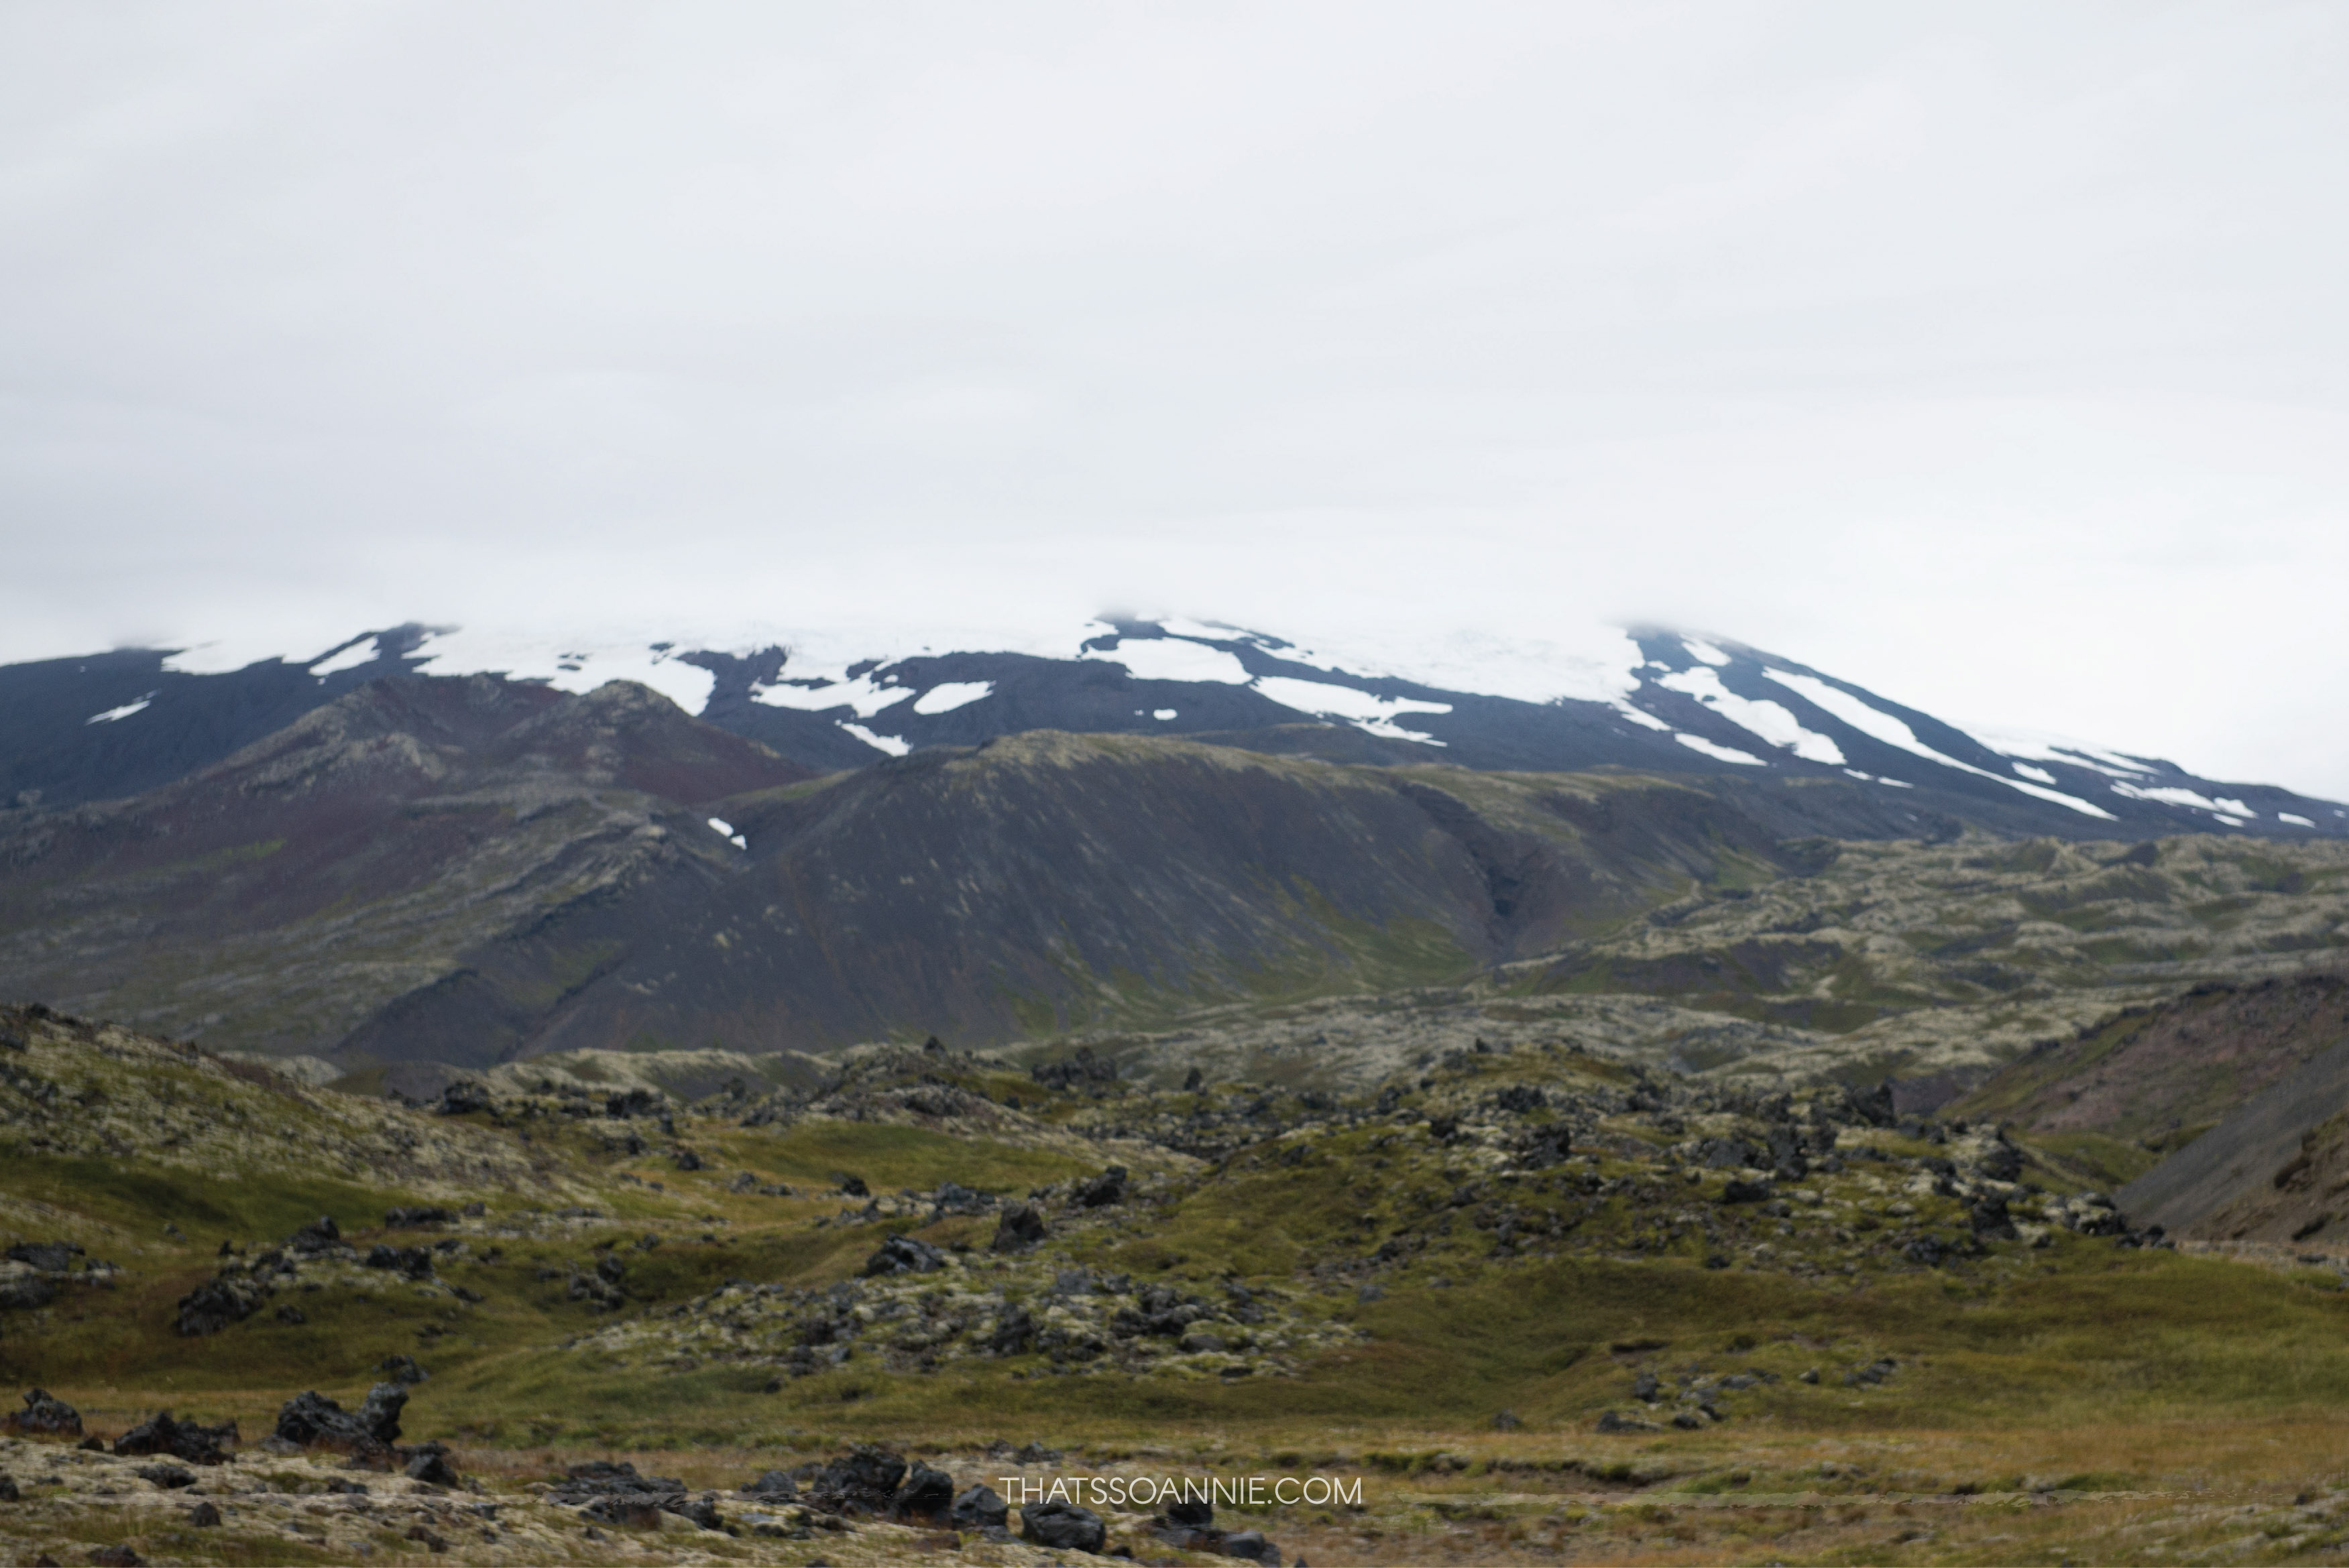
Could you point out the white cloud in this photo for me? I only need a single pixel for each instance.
(1945, 350)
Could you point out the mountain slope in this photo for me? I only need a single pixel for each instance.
(1648, 700)
(280, 898)
(1047, 879)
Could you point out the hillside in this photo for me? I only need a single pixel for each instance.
(282, 898)
(465, 872)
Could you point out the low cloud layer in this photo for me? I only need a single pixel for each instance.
(1991, 356)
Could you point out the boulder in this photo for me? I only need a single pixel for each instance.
(926, 1494)
(197, 1444)
(1098, 1191)
(1250, 1546)
(1015, 1332)
(904, 1254)
(21, 1290)
(431, 1465)
(416, 1262)
(320, 1236)
(634, 1103)
(979, 1507)
(52, 1257)
(1195, 1514)
(313, 1420)
(170, 1477)
(773, 1486)
(214, 1305)
(1063, 1527)
(402, 1370)
(403, 1219)
(863, 1481)
(45, 1417)
(1021, 1227)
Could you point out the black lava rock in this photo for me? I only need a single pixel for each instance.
(863, 1481)
(979, 1507)
(159, 1434)
(1063, 1527)
(927, 1494)
(312, 1419)
(1098, 1191)
(904, 1254)
(1021, 1227)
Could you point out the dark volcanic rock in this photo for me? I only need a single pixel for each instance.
(926, 1494)
(320, 1236)
(170, 1477)
(54, 1257)
(45, 1416)
(613, 1493)
(1101, 1190)
(431, 1465)
(863, 1481)
(979, 1507)
(408, 1218)
(904, 1254)
(214, 1305)
(402, 1370)
(1015, 1331)
(1079, 1071)
(159, 1434)
(1020, 1228)
(25, 1292)
(1197, 1513)
(1063, 1527)
(773, 1486)
(416, 1262)
(312, 1419)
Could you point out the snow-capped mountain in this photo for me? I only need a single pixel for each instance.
(1647, 699)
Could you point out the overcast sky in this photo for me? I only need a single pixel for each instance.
(1990, 356)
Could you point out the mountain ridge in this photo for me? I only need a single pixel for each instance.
(1646, 699)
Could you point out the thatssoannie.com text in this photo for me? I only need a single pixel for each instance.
(1157, 1492)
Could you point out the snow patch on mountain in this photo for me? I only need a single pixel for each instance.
(952, 695)
(1174, 659)
(1372, 714)
(2042, 748)
(112, 714)
(2174, 795)
(863, 694)
(366, 650)
(1718, 752)
(1893, 732)
(888, 743)
(1704, 652)
(1773, 722)
(572, 667)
